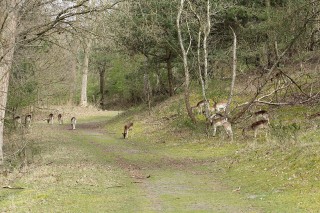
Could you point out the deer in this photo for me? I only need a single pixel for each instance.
(127, 128)
(28, 120)
(60, 120)
(17, 121)
(201, 106)
(73, 123)
(261, 124)
(217, 120)
(50, 119)
(220, 106)
(261, 115)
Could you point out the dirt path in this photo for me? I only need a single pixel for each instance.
(91, 170)
(170, 184)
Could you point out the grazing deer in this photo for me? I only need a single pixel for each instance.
(217, 120)
(28, 120)
(261, 115)
(73, 122)
(261, 124)
(60, 120)
(50, 119)
(17, 122)
(127, 128)
(220, 106)
(201, 106)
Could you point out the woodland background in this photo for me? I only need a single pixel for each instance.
(119, 54)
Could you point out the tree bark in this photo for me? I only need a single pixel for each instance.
(102, 71)
(170, 77)
(185, 65)
(207, 30)
(84, 98)
(73, 79)
(8, 38)
(234, 70)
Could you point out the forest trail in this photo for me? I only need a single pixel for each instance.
(92, 170)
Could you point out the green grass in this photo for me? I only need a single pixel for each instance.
(280, 174)
(189, 172)
(72, 176)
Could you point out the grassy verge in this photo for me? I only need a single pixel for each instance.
(278, 174)
(69, 175)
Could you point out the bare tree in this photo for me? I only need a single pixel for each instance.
(234, 69)
(85, 68)
(204, 28)
(185, 62)
(9, 20)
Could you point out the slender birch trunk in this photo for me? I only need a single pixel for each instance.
(170, 77)
(74, 68)
(185, 64)
(7, 35)
(207, 30)
(84, 85)
(234, 69)
(102, 71)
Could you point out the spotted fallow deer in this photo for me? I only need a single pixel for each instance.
(220, 106)
(261, 124)
(60, 119)
(73, 123)
(217, 120)
(17, 122)
(261, 115)
(50, 119)
(201, 106)
(126, 130)
(28, 120)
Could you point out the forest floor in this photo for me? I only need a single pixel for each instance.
(91, 169)
(168, 164)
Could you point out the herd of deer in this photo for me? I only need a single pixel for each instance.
(216, 117)
(28, 119)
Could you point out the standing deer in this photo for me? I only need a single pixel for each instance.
(201, 106)
(17, 122)
(261, 124)
(220, 106)
(73, 123)
(60, 120)
(127, 128)
(28, 120)
(50, 119)
(217, 120)
(261, 115)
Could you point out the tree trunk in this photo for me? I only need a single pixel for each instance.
(207, 30)
(234, 69)
(170, 77)
(185, 65)
(7, 35)
(74, 68)
(84, 98)
(147, 90)
(202, 80)
(102, 72)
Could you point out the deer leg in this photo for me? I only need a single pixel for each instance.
(214, 130)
